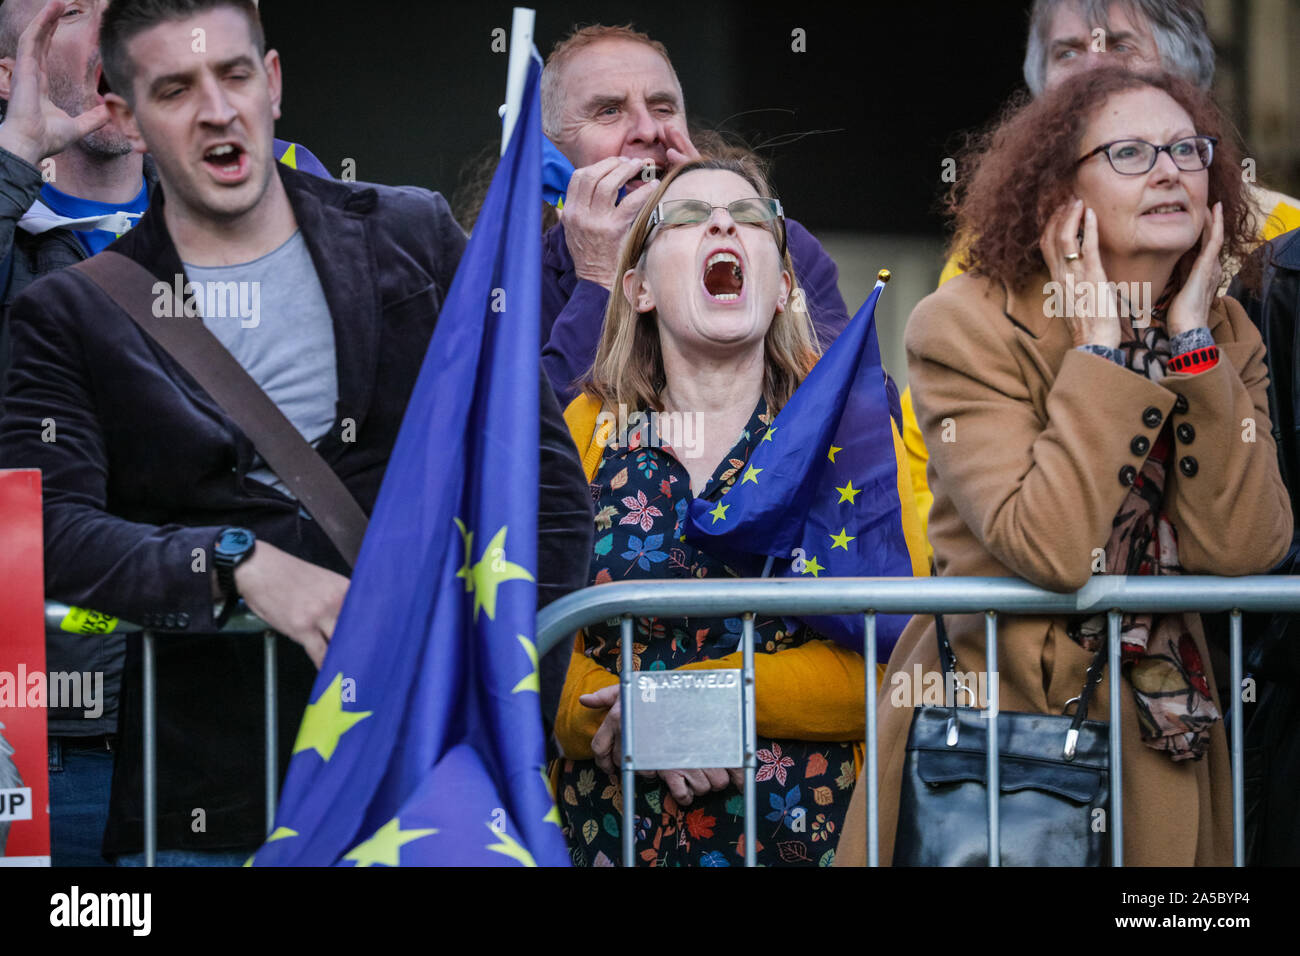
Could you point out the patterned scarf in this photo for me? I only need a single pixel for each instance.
(1160, 658)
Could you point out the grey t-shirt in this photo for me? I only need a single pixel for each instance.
(271, 315)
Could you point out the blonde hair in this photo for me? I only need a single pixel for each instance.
(629, 368)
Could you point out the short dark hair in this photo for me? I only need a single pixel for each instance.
(125, 19)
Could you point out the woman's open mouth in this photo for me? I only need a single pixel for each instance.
(1166, 209)
(723, 277)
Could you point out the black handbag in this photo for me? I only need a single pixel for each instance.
(1055, 782)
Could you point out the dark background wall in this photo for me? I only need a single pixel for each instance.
(858, 125)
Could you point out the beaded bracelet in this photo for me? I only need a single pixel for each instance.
(1197, 360)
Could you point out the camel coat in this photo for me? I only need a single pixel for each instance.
(1028, 438)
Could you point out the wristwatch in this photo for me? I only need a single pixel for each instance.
(233, 547)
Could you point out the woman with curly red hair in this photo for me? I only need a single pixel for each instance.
(1093, 405)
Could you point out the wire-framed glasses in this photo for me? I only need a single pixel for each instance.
(1133, 157)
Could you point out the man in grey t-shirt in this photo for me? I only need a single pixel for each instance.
(271, 315)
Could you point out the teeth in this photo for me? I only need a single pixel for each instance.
(221, 150)
(727, 297)
(721, 257)
(1169, 208)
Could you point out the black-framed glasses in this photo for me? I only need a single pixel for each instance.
(1133, 157)
(688, 212)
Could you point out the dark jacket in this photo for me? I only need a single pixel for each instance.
(1273, 640)
(147, 470)
(24, 258)
(1275, 308)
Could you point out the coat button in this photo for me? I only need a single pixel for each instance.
(169, 621)
(1152, 417)
(1188, 466)
(1185, 433)
(1128, 475)
(1180, 406)
(1140, 445)
(182, 619)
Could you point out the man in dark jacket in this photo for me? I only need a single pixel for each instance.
(57, 150)
(1272, 730)
(147, 471)
(70, 183)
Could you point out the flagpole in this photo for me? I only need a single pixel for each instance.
(521, 49)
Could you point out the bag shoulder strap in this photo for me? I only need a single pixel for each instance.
(948, 664)
(199, 352)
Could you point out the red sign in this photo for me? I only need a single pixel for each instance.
(24, 773)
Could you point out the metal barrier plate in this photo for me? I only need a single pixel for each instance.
(684, 719)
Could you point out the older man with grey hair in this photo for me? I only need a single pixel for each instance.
(1066, 36)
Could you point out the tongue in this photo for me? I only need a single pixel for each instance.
(723, 278)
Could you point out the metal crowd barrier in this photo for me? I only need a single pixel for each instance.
(241, 622)
(1111, 595)
(627, 601)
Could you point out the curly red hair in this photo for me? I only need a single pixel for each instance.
(1019, 171)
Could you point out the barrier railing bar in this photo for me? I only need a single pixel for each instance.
(272, 729)
(792, 597)
(873, 783)
(625, 723)
(1238, 743)
(994, 787)
(242, 621)
(150, 752)
(750, 734)
(797, 597)
(1116, 821)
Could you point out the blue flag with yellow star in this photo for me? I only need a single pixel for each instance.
(820, 492)
(423, 741)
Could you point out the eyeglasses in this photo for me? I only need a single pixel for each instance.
(689, 212)
(1133, 157)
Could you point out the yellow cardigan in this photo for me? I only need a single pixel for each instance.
(810, 692)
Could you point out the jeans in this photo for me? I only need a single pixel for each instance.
(190, 858)
(81, 776)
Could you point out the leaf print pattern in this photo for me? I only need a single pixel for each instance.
(698, 825)
(640, 512)
(847, 776)
(646, 464)
(783, 808)
(774, 764)
(605, 517)
(644, 552)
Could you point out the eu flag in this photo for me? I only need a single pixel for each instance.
(820, 492)
(423, 743)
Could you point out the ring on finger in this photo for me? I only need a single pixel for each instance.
(1072, 256)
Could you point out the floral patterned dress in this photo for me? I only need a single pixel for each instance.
(642, 493)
